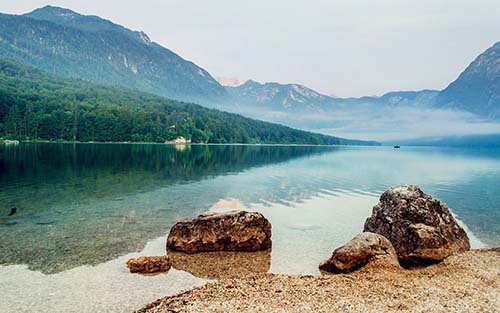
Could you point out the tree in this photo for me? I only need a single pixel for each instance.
(13, 121)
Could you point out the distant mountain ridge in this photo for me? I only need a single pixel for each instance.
(278, 96)
(476, 90)
(299, 98)
(63, 42)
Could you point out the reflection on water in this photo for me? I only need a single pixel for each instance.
(81, 207)
(86, 204)
(214, 265)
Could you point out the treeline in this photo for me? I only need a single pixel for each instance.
(37, 106)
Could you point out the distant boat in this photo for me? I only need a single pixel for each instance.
(397, 147)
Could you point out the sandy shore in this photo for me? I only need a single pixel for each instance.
(468, 282)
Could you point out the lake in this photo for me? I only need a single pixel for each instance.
(84, 209)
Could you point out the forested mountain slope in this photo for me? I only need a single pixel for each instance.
(37, 105)
(69, 44)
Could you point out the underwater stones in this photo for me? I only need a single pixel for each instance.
(421, 229)
(149, 264)
(222, 264)
(231, 231)
(366, 249)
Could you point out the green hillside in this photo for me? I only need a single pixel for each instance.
(37, 105)
(65, 43)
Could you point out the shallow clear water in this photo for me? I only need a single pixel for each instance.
(84, 209)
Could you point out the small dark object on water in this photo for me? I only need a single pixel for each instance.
(397, 147)
(12, 211)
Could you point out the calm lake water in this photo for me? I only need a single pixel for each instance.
(84, 209)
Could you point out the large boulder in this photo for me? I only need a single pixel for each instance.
(421, 229)
(366, 249)
(231, 231)
(149, 264)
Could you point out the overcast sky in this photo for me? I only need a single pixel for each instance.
(345, 48)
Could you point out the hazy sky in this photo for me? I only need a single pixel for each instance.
(345, 48)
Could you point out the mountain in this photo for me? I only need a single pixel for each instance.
(424, 97)
(69, 44)
(469, 105)
(229, 81)
(298, 98)
(477, 89)
(288, 97)
(37, 105)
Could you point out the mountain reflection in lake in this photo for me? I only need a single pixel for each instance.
(88, 203)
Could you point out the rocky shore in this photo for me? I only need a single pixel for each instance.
(465, 282)
(412, 256)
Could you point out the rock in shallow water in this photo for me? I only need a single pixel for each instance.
(149, 264)
(363, 250)
(231, 231)
(421, 229)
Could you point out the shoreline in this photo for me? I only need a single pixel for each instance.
(467, 282)
(197, 144)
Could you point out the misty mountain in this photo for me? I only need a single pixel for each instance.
(468, 106)
(477, 89)
(299, 98)
(275, 96)
(69, 44)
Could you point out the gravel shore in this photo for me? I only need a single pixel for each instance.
(467, 282)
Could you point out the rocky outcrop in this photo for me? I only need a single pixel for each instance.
(421, 229)
(366, 249)
(231, 231)
(149, 264)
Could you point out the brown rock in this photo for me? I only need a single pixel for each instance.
(364, 249)
(231, 231)
(149, 264)
(421, 229)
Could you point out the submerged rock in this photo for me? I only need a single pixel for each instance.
(366, 249)
(149, 264)
(231, 231)
(222, 264)
(421, 229)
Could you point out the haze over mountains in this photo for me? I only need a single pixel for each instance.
(66, 43)
(468, 106)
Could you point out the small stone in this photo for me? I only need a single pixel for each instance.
(149, 264)
(364, 249)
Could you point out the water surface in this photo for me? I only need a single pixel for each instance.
(84, 209)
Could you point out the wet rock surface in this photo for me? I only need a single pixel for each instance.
(149, 264)
(421, 228)
(366, 249)
(231, 231)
